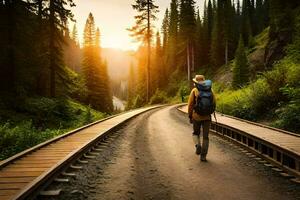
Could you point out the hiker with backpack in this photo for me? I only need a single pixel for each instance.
(201, 105)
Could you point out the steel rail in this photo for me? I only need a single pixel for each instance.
(281, 157)
(31, 189)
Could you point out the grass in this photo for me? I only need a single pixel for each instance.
(36, 120)
(274, 97)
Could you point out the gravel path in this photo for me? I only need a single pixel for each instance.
(152, 157)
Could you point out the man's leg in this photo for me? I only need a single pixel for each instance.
(205, 144)
(196, 136)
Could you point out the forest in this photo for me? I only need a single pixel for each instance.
(51, 83)
(249, 48)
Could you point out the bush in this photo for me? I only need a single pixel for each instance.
(160, 97)
(14, 139)
(236, 103)
(275, 95)
(138, 102)
(39, 119)
(289, 117)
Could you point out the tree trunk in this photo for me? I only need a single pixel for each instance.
(226, 52)
(11, 45)
(149, 50)
(188, 64)
(51, 49)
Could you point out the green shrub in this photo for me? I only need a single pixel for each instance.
(39, 119)
(236, 103)
(275, 95)
(14, 139)
(138, 102)
(160, 97)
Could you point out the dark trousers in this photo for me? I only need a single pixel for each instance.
(205, 130)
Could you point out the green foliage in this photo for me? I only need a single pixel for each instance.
(138, 102)
(176, 79)
(241, 67)
(262, 39)
(159, 97)
(275, 96)
(235, 103)
(289, 114)
(95, 70)
(16, 138)
(39, 119)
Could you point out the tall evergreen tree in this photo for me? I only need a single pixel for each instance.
(199, 55)
(241, 66)
(95, 70)
(187, 27)
(206, 33)
(159, 71)
(259, 15)
(165, 29)
(217, 53)
(142, 31)
(75, 34)
(58, 15)
(209, 17)
(174, 19)
(229, 30)
(171, 55)
(88, 62)
(246, 28)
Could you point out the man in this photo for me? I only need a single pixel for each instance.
(200, 120)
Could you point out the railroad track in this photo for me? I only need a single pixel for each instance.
(273, 147)
(27, 174)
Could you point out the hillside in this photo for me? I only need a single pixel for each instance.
(272, 96)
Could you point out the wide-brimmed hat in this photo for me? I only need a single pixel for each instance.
(198, 79)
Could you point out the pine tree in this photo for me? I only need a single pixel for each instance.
(199, 42)
(142, 31)
(95, 71)
(217, 50)
(159, 71)
(265, 10)
(187, 27)
(88, 63)
(165, 29)
(174, 19)
(209, 18)
(206, 34)
(75, 34)
(171, 55)
(246, 28)
(241, 67)
(58, 16)
(229, 30)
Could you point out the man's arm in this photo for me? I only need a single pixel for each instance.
(191, 104)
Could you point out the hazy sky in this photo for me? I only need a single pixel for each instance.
(113, 17)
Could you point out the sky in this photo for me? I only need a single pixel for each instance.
(113, 17)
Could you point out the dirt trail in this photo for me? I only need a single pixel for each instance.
(153, 158)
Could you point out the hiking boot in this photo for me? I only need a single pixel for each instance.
(198, 149)
(203, 158)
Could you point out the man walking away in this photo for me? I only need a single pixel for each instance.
(201, 105)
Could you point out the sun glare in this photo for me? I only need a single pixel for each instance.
(118, 42)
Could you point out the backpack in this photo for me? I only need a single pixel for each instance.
(204, 102)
